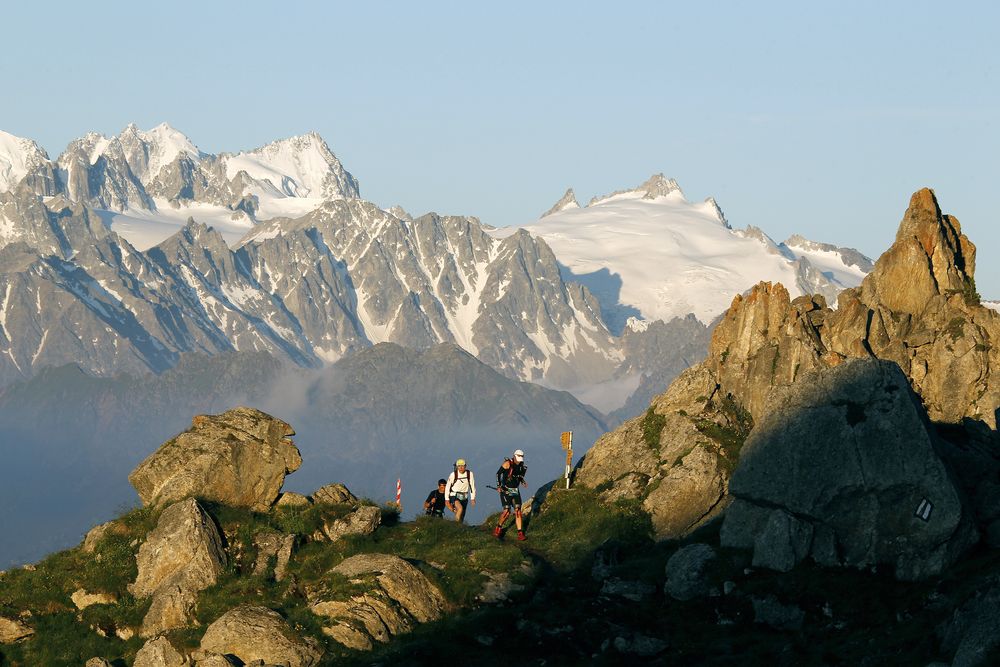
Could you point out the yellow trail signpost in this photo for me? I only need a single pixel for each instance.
(566, 439)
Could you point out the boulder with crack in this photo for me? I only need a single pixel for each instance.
(400, 597)
(239, 458)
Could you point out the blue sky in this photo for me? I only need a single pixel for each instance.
(816, 118)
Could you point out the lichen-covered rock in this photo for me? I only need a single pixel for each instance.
(685, 570)
(842, 468)
(159, 652)
(333, 494)
(258, 633)
(402, 597)
(239, 458)
(181, 556)
(97, 662)
(362, 521)
(12, 630)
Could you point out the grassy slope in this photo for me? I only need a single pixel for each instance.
(561, 617)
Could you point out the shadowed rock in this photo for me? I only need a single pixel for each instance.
(239, 458)
(842, 469)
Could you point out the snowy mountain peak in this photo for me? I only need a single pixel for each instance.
(659, 186)
(714, 205)
(147, 152)
(568, 201)
(656, 187)
(300, 166)
(18, 156)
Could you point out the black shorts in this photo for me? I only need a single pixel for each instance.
(510, 498)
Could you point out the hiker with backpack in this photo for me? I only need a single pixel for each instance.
(510, 477)
(434, 505)
(460, 489)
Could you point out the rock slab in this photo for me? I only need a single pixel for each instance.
(842, 468)
(257, 633)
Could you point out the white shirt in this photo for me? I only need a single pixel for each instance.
(460, 485)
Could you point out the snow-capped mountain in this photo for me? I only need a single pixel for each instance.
(128, 251)
(23, 162)
(650, 254)
(146, 184)
(309, 290)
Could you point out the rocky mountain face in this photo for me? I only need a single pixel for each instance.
(319, 273)
(917, 309)
(136, 169)
(81, 294)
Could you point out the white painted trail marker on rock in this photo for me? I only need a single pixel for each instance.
(923, 510)
(567, 443)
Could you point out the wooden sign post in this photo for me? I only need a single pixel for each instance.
(567, 443)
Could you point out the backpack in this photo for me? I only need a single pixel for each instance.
(468, 477)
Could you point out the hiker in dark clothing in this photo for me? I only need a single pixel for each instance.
(510, 477)
(435, 503)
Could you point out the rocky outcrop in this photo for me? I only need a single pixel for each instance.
(362, 521)
(258, 633)
(401, 597)
(159, 652)
(12, 630)
(182, 556)
(917, 308)
(843, 469)
(239, 458)
(82, 599)
(333, 494)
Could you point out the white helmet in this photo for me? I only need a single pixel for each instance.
(519, 454)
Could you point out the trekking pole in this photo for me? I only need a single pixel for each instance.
(567, 443)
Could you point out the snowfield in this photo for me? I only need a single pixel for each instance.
(665, 257)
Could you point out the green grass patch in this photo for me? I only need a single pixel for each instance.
(576, 522)
(652, 427)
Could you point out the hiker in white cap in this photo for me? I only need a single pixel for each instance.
(460, 490)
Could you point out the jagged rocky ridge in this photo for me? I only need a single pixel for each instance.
(918, 311)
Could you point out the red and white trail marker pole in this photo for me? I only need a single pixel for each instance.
(566, 440)
(399, 493)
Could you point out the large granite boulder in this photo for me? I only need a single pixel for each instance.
(159, 652)
(257, 633)
(239, 458)
(842, 468)
(181, 556)
(400, 598)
